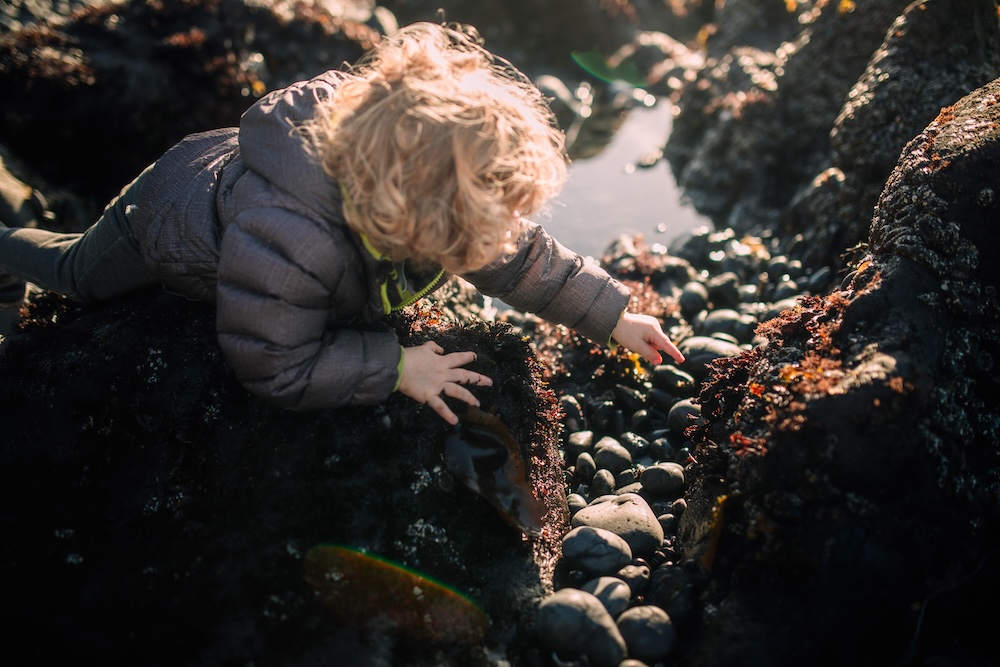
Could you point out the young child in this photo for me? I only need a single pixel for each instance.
(338, 200)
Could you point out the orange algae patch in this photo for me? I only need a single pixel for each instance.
(382, 596)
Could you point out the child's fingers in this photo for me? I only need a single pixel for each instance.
(465, 376)
(456, 391)
(673, 351)
(459, 392)
(437, 404)
(456, 359)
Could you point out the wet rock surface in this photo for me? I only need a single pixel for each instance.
(816, 484)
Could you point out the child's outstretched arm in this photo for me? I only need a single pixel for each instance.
(428, 374)
(644, 335)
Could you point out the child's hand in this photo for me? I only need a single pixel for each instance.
(644, 335)
(429, 374)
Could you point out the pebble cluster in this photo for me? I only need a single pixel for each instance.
(627, 590)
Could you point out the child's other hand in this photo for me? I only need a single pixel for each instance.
(644, 335)
(429, 374)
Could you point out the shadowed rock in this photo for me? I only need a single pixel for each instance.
(112, 85)
(797, 137)
(849, 471)
(149, 501)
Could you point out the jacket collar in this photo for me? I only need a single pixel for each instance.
(397, 286)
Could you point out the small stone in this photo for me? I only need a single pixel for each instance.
(628, 516)
(670, 588)
(573, 412)
(634, 443)
(648, 632)
(668, 522)
(576, 502)
(699, 351)
(685, 413)
(575, 624)
(610, 454)
(585, 467)
(634, 487)
(662, 449)
(820, 280)
(786, 289)
(728, 321)
(613, 593)
(673, 380)
(724, 290)
(579, 442)
(626, 477)
(779, 306)
(636, 576)
(595, 550)
(632, 399)
(693, 299)
(677, 507)
(663, 480)
(603, 482)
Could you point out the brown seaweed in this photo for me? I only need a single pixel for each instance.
(484, 456)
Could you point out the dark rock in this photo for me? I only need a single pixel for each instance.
(663, 480)
(864, 405)
(635, 444)
(693, 299)
(648, 632)
(585, 468)
(636, 575)
(613, 593)
(728, 321)
(627, 516)
(609, 454)
(671, 588)
(668, 522)
(674, 380)
(579, 442)
(138, 474)
(575, 624)
(136, 77)
(603, 482)
(699, 351)
(595, 550)
(684, 415)
(575, 502)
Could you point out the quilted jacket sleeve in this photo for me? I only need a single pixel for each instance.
(544, 277)
(282, 279)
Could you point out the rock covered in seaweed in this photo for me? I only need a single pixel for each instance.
(854, 452)
(150, 501)
(112, 85)
(793, 131)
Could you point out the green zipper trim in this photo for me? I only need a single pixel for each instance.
(395, 273)
(387, 304)
(428, 288)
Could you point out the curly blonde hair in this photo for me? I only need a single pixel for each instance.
(440, 147)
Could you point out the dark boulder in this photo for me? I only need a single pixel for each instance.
(849, 471)
(795, 137)
(94, 96)
(156, 513)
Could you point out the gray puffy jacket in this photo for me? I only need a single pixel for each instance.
(246, 217)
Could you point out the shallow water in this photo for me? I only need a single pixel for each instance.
(607, 195)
